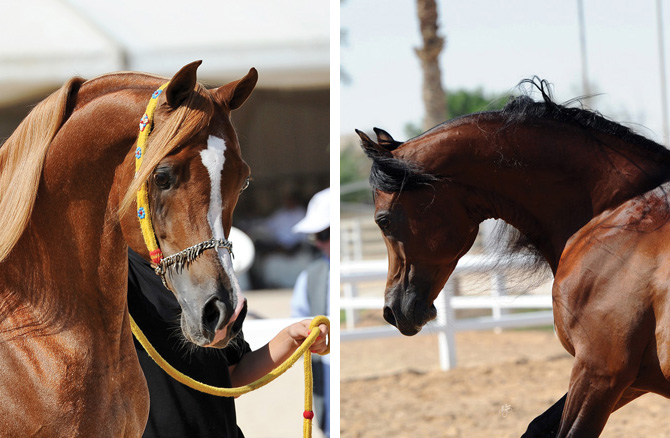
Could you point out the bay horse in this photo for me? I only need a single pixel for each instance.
(68, 366)
(590, 195)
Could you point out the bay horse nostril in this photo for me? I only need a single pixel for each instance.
(389, 316)
(213, 315)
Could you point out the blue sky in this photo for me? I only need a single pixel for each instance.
(493, 44)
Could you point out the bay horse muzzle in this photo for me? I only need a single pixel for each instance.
(407, 310)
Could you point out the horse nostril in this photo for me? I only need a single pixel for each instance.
(389, 316)
(213, 315)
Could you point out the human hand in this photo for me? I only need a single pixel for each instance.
(299, 331)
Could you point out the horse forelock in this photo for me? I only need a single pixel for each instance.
(182, 124)
(391, 175)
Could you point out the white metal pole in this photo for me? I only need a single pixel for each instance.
(582, 45)
(445, 321)
(661, 64)
(350, 292)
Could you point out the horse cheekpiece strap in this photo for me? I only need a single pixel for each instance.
(143, 214)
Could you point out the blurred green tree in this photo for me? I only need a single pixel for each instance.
(463, 102)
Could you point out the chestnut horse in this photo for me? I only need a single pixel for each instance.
(68, 366)
(590, 196)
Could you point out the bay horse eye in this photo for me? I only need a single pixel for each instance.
(162, 180)
(383, 222)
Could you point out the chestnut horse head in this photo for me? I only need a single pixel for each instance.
(195, 174)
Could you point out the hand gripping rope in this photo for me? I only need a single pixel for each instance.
(143, 214)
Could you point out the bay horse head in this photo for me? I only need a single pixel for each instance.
(194, 174)
(425, 234)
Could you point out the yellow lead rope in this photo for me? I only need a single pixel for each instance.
(308, 414)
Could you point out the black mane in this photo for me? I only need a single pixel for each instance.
(390, 174)
(523, 108)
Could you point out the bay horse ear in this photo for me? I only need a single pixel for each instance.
(236, 93)
(182, 84)
(372, 149)
(385, 140)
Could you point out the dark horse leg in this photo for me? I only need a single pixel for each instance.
(546, 425)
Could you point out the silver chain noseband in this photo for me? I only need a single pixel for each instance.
(188, 255)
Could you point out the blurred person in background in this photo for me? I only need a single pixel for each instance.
(311, 295)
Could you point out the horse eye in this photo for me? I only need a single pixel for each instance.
(382, 221)
(244, 185)
(162, 180)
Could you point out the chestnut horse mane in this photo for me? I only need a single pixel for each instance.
(23, 155)
(22, 158)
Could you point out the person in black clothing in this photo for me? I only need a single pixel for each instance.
(177, 410)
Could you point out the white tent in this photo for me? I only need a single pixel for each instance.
(45, 42)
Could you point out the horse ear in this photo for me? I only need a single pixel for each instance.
(385, 140)
(182, 84)
(236, 93)
(372, 149)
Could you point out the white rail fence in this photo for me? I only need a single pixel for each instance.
(354, 273)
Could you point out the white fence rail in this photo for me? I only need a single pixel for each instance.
(354, 273)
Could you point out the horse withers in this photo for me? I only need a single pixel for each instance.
(588, 195)
(68, 366)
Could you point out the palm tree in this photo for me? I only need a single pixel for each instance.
(434, 97)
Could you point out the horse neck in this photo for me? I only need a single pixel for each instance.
(74, 235)
(547, 179)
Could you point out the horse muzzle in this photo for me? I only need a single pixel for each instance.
(222, 332)
(407, 310)
(214, 319)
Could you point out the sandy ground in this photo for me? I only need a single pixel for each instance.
(393, 387)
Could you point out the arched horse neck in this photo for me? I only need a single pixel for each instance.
(546, 178)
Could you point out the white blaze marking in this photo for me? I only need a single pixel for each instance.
(213, 159)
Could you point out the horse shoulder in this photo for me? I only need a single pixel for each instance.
(614, 274)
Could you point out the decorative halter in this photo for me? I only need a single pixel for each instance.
(188, 255)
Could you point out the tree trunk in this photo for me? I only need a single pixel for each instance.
(434, 98)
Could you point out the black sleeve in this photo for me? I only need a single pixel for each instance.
(175, 409)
